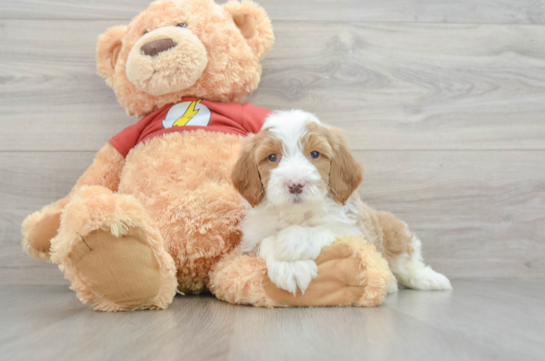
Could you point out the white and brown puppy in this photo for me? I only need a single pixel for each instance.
(300, 178)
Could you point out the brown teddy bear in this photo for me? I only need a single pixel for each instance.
(156, 211)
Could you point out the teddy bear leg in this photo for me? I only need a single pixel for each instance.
(239, 279)
(350, 273)
(111, 253)
(376, 275)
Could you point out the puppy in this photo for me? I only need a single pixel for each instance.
(299, 178)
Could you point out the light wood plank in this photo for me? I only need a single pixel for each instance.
(29, 181)
(465, 324)
(414, 86)
(390, 86)
(479, 214)
(429, 11)
(50, 87)
(494, 306)
(343, 334)
(461, 11)
(45, 305)
(89, 335)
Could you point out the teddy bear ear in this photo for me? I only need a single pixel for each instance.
(108, 47)
(254, 25)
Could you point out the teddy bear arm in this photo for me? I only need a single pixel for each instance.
(40, 227)
(105, 170)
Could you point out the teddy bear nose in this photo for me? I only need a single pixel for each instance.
(157, 46)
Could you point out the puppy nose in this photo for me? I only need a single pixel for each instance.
(157, 46)
(296, 186)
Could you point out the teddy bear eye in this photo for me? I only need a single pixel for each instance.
(182, 25)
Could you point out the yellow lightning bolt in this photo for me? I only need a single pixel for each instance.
(189, 113)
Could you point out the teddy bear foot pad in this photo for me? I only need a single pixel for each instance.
(121, 269)
(115, 260)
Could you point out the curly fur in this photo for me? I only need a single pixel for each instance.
(233, 70)
(29, 224)
(301, 202)
(93, 208)
(176, 188)
(240, 279)
(184, 183)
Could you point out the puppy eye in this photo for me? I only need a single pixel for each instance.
(314, 154)
(182, 25)
(273, 158)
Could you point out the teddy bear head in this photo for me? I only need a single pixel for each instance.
(180, 48)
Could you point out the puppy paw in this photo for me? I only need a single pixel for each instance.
(429, 280)
(392, 286)
(292, 275)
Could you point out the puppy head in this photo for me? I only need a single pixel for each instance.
(295, 161)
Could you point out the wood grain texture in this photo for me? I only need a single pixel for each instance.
(414, 86)
(479, 320)
(390, 86)
(442, 102)
(441, 11)
(29, 181)
(479, 214)
(447, 118)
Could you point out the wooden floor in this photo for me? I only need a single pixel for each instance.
(479, 320)
(443, 103)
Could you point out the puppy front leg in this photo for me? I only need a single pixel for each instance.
(290, 256)
(297, 243)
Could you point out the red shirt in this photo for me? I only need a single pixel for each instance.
(192, 114)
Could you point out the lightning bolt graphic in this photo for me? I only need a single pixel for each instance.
(189, 113)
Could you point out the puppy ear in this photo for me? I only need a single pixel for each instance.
(245, 175)
(108, 47)
(346, 173)
(254, 24)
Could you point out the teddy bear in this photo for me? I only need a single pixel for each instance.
(156, 212)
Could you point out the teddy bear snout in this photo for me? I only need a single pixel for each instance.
(157, 46)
